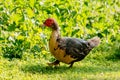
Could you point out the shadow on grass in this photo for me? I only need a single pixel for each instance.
(42, 69)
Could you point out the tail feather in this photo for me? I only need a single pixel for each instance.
(94, 41)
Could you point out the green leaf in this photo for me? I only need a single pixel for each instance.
(100, 35)
(12, 27)
(2, 38)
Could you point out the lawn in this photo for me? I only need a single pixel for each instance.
(37, 69)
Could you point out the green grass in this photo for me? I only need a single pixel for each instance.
(37, 69)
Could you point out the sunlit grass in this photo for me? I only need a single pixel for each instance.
(37, 69)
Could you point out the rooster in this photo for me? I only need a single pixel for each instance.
(66, 49)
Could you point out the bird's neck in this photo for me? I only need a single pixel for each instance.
(55, 31)
(55, 34)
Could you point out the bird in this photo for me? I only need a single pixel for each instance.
(67, 49)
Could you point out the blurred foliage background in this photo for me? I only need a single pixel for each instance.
(22, 36)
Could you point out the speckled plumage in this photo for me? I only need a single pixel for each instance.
(68, 50)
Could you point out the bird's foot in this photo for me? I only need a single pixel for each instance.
(71, 64)
(56, 63)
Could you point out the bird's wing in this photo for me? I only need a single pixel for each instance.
(75, 47)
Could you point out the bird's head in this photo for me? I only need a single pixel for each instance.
(50, 22)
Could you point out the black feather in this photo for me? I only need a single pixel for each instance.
(76, 48)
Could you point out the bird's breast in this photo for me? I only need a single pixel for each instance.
(59, 53)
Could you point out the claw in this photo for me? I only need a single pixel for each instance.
(53, 64)
(56, 63)
(71, 64)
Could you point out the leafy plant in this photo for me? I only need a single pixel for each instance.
(20, 21)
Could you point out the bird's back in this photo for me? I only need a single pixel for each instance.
(77, 48)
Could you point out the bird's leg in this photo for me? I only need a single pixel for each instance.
(55, 63)
(71, 64)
